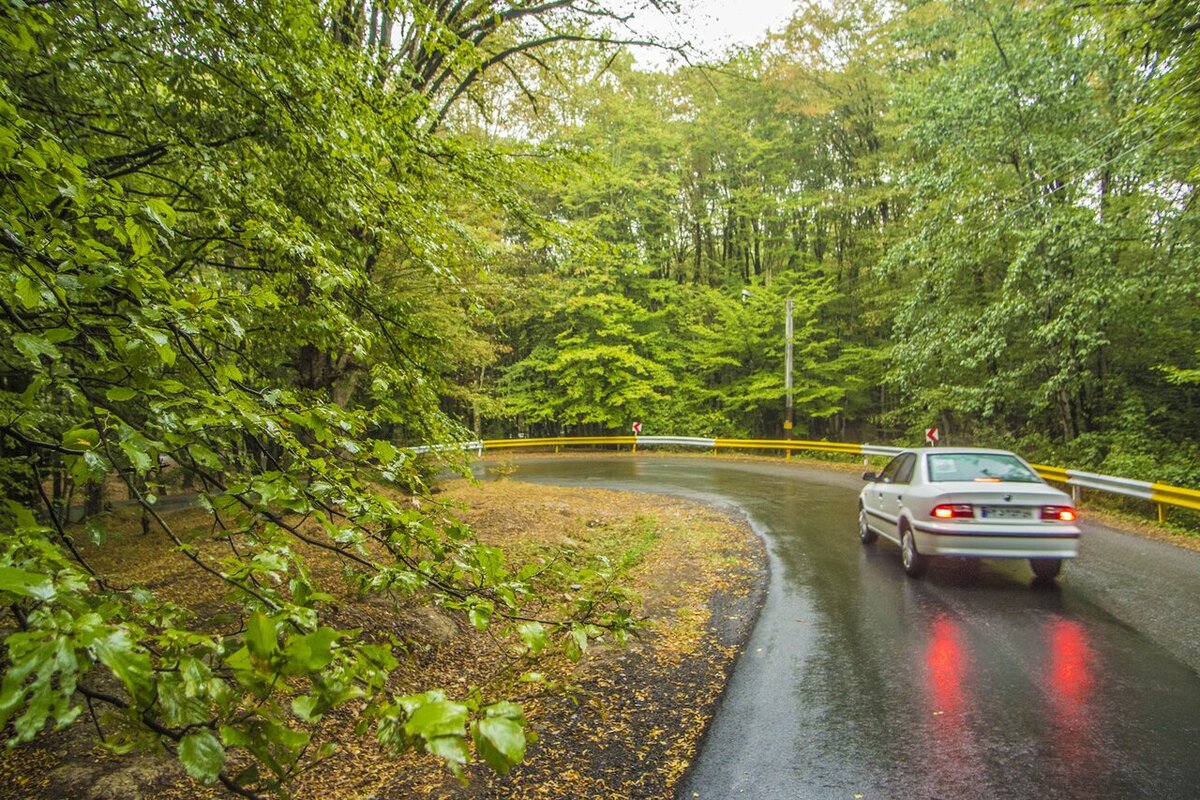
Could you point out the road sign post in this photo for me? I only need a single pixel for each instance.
(931, 436)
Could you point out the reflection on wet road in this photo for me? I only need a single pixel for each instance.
(971, 683)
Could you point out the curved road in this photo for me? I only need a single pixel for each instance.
(858, 682)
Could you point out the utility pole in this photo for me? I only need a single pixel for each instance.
(789, 413)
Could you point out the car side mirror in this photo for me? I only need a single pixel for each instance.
(870, 476)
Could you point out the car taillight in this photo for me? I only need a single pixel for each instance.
(954, 511)
(1058, 513)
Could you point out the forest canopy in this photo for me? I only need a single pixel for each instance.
(266, 247)
(985, 212)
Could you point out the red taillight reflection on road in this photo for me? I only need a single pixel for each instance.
(1070, 677)
(945, 662)
(1070, 665)
(954, 754)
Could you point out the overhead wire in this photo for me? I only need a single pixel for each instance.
(1121, 126)
(1087, 169)
(1083, 173)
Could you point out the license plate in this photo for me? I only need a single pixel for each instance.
(1002, 512)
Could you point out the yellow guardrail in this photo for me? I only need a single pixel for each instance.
(785, 445)
(790, 445)
(559, 441)
(1175, 496)
(1057, 474)
(1161, 494)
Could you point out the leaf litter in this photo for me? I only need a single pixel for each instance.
(624, 721)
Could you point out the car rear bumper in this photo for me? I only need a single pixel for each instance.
(1019, 541)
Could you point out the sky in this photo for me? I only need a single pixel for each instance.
(712, 26)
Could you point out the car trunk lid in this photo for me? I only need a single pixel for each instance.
(1003, 501)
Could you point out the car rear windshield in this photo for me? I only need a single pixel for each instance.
(981, 467)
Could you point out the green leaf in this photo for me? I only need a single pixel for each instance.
(533, 634)
(161, 213)
(202, 755)
(138, 457)
(119, 394)
(311, 652)
(34, 346)
(81, 438)
(139, 239)
(59, 335)
(26, 584)
(28, 294)
(480, 615)
(162, 345)
(132, 666)
(501, 742)
(261, 635)
(196, 675)
(305, 707)
(385, 451)
(437, 718)
(41, 677)
(451, 749)
(577, 642)
(505, 708)
(204, 456)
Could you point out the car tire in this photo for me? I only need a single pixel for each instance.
(865, 534)
(914, 563)
(1046, 569)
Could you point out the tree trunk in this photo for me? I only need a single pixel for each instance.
(93, 499)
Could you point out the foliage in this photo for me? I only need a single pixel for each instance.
(987, 210)
(230, 249)
(265, 246)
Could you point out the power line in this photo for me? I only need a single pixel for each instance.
(1084, 173)
(1122, 127)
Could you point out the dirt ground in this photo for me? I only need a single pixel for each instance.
(624, 722)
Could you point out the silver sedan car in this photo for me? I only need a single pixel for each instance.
(968, 502)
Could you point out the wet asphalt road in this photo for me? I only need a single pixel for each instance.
(859, 682)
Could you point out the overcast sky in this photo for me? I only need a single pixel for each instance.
(711, 25)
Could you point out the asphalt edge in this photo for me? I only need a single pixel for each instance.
(738, 636)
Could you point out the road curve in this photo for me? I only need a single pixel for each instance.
(860, 683)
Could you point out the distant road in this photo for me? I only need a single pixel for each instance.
(859, 682)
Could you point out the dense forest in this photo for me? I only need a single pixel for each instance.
(261, 247)
(986, 215)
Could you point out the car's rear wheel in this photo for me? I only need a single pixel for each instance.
(865, 534)
(1046, 569)
(914, 562)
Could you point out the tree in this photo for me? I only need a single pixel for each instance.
(227, 245)
(1032, 255)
